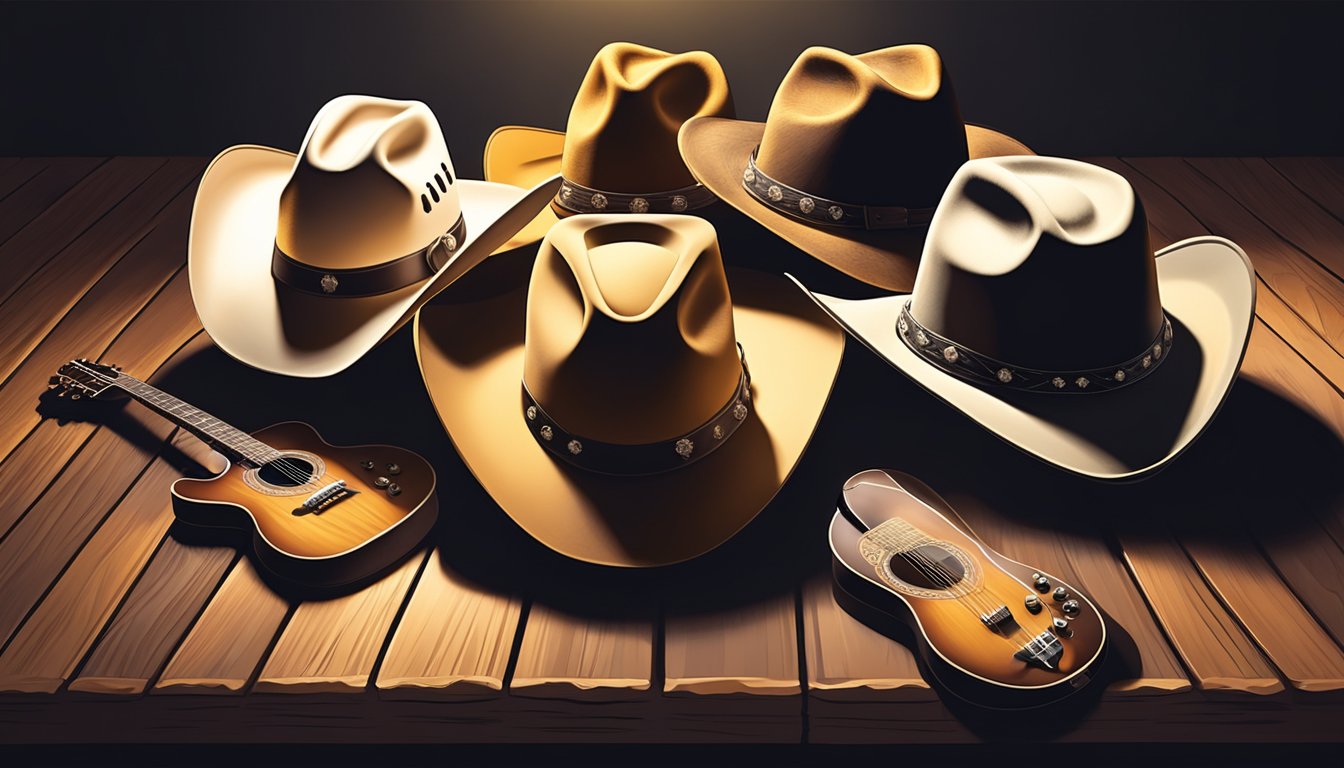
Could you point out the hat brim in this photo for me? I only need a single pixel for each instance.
(716, 149)
(268, 325)
(471, 358)
(523, 156)
(1207, 286)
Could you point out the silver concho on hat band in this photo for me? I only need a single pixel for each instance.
(818, 210)
(369, 281)
(647, 459)
(953, 358)
(576, 198)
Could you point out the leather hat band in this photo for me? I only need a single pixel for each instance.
(576, 198)
(369, 281)
(818, 210)
(646, 459)
(981, 369)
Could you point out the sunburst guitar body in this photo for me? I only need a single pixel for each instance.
(319, 515)
(989, 629)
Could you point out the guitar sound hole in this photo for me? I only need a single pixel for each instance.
(287, 472)
(928, 567)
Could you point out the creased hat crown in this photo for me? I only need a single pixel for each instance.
(372, 183)
(880, 128)
(622, 130)
(1041, 262)
(630, 335)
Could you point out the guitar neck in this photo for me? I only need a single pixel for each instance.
(223, 437)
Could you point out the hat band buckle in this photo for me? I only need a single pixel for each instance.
(389, 276)
(817, 210)
(972, 366)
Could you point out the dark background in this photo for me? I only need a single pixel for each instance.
(1069, 78)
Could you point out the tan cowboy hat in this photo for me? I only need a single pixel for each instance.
(299, 264)
(625, 409)
(853, 157)
(618, 153)
(1041, 313)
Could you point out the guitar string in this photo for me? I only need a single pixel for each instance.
(282, 463)
(973, 596)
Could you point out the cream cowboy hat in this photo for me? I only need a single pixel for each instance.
(618, 154)
(853, 157)
(1041, 313)
(624, 408)
(299, 264)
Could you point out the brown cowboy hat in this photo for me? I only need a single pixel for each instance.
(300, 264)
(618, 153)
(626, 408)
(1041, 313)
(853, 157)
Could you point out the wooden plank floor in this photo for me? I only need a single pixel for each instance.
(1223, 576)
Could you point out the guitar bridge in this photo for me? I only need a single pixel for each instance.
(998, 618)
(1041, 651)
(325, 497)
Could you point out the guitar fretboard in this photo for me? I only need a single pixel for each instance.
(897, 535)
(214, 431)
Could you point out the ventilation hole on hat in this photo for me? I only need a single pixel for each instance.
(424, 203)
(446, 174)
(432, 191)
(439, 180)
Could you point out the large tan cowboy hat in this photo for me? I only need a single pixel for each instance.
(624, 409)
(851, 160)
(299, 264)
(1041, 313)
(618, 153)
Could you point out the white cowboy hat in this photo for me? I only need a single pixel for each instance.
(300, 264)
(1040, 311)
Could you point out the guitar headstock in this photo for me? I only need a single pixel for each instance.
(83, 378)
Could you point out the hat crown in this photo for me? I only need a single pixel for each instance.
(372, 183)
(1040, 262)
(630, 336)
(622, 129)
(881, 128)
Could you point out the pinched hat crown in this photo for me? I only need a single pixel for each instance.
(1044, 264)
(622, 131)
(372, 184)
(630, 338)
(877, 129)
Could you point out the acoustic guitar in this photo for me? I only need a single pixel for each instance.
(320, 515)
(991, 630)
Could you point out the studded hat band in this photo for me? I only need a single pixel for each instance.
(576, 198)
(368, 281)
(818, 210)
(645, 459)
(981, 369)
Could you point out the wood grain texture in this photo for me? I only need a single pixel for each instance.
(226, 645)
(24, 202)
(169, 596)
(63, 627)
(1320, 177)
(1086, 562)
(33, 246)
(1214, 648)
(1169, 221)
(565, 656)
(848, 661)
(751, 650)
(453, 640)
(1301, 650)
(164, 326)
(1267, 195)
(14, 173)
(1312, 563)
(91, 324)
(1311, 290)
(331, 645)
(59, 284)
